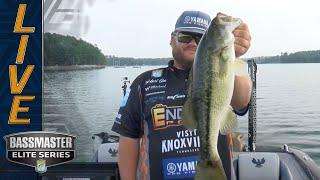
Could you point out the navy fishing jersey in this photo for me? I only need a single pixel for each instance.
(151, 110)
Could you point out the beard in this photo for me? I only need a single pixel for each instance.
(183, 61)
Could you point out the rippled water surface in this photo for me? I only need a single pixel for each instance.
(288, 105)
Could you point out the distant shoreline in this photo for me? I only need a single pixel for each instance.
(91, 67)
(73, 67)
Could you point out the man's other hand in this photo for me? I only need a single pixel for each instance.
(242, 39)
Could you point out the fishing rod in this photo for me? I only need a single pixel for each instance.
(252, 117)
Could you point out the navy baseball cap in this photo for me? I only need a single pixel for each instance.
(193, 21)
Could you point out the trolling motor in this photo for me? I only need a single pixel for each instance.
(252, 117)
(124, 87)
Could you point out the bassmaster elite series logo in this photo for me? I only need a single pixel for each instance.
(164, 116)
(40, 149)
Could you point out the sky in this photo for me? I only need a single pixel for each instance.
(141, 28)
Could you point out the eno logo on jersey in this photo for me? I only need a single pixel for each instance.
(164, 116)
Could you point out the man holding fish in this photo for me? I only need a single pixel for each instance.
(175, 122)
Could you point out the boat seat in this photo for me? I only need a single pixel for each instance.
(261, 166)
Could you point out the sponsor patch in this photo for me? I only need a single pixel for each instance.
(176, 96)
(155, 87)
(152, 81)
(186, 141)
(157, 73)
(164, 116)
(184, 167)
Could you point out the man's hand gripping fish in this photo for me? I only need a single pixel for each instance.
(211, 83)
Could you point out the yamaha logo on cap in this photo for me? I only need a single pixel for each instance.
(187, 19)
(193, 21)
(196, 21)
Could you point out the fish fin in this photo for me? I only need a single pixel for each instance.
(210, 170)
(188, 116)
(229, 121)
(237, 141)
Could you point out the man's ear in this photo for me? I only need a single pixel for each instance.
(172, 39)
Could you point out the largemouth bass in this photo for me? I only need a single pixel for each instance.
(210, 89)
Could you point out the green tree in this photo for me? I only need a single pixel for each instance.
(67, 50)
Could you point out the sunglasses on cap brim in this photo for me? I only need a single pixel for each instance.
(185, 37)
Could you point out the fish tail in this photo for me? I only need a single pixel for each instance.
(208, 170)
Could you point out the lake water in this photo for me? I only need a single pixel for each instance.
(288, 106)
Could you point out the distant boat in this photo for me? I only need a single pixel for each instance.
(136, 66)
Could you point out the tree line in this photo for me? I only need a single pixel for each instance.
(297, 57)
(129, 61)
(64, 50)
